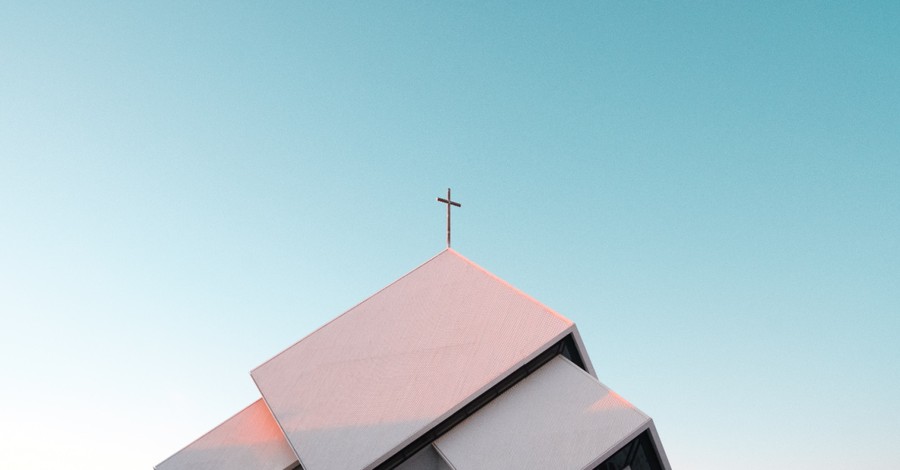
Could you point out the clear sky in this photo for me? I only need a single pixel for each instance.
(710, 190)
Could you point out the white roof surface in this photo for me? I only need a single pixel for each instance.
(366, 384)
(248, 440)
(559, 417)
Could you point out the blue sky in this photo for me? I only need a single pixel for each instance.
(710, 191)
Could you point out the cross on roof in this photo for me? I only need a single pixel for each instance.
(449, 202)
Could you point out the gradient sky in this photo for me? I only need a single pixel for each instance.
(710, 191)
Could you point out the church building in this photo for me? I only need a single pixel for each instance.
(448, 367)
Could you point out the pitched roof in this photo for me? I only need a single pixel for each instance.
(559, 417)
(363, 386)
(249, 439)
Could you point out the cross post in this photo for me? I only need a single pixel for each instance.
(449, 202)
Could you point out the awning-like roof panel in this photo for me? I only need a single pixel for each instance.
(559, 417)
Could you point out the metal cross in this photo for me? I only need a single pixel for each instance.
(449, 202)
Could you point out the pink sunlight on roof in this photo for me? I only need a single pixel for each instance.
(377, 377)
(249, 439)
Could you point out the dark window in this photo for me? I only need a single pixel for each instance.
(639, 454)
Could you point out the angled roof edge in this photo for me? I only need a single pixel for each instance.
(207, 433)
(467, 260)
(224, 422)
(510, 286)
(589, 367)
(348, 310)
(638, 410)
(578, 342)
(280, 427)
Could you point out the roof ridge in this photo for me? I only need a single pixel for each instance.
(510, 286)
